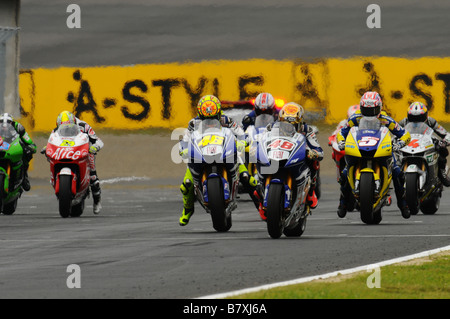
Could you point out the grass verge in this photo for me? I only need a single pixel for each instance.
(425, 278)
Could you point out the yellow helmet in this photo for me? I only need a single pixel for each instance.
(65, 117)
(292, 113)
(209, 106)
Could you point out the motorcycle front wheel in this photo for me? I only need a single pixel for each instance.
(275, 208)
(65, 195)
(221, 222)
(366, 199)
(412, 196)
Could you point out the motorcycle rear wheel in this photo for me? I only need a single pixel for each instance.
(65, 195)
(221, 222)
(10, 208)
(77, 210)
(275, 208)
(431, 205)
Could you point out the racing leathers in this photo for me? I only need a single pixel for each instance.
(443, 151)
(187, 187)
(29, 148)
(398, 178)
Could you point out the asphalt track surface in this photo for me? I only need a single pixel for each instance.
(115, 32)
(135, 247)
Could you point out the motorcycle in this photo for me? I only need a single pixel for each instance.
(213, 162)
(368, 150)
(11, 169)
(286, 178)
(254, 133)
(68, 154)
(420, 165)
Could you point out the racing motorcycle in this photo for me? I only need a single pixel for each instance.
(68, 153)
(281, 163)
(368, 150)
(254, 133)
(213, 161)
(11, 169)
(420, 165)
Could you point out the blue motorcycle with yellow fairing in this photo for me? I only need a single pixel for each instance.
(368, 152)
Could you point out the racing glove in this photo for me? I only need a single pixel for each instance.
(444, 142)
(399, 145)
(312, 155)
(341, 145)
(240, 144)
(93, 149)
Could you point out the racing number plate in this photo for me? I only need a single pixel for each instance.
(211, 140)
(282, 144)
(368, 141)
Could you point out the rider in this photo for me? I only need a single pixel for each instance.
(29, 148)
(418, 112)
(210, 107)
(96, 145)
(370, 106)
(351, 110)
(293, 113)
(264, 104)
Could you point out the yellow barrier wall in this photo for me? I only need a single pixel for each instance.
(165, 95)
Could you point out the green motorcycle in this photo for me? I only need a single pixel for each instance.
(11, 169)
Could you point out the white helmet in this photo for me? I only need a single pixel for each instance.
(264, 103)
(6, 118)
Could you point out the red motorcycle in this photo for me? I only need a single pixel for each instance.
(68, 153)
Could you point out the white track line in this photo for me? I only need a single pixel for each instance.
(124, 179)
(324, 276)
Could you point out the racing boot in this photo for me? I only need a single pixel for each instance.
(26, 182)
(402, 205)
(399, 181)
(250, 184)
(261, 211)
(187, 190)
(442, 174)
(342, 208)
(96, 192)
(311, 199)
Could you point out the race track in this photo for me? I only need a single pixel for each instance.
(135, 247)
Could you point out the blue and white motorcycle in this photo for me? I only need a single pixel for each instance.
(281, 163)
(213, 161)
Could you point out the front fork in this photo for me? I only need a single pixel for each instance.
(371, 167)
